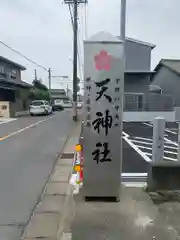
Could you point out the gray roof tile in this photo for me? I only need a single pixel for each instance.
(172, 64)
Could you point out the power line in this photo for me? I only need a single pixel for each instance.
(22, 55)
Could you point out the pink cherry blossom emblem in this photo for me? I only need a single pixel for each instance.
(103, 61)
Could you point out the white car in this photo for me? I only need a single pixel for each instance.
(40, 107)
(79, 105)
(66, 103)
(58, 105)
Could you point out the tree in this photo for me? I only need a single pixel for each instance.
(39, 91)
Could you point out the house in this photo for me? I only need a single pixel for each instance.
(138, 94)
(167, 77)
(137, 73)
(138, 65)
(58, 94)
(12, 88)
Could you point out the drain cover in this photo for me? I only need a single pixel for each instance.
(67, 155)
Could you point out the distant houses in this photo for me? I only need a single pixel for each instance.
(60, 94)
(12, 88)
(140, 90)
(167, 78)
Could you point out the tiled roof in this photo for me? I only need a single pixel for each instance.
(139, 41)
(14, 83)
(13, 63)
(172, 64)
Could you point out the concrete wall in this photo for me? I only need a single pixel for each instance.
(147, 116)
(22, 101)
(138, 83)
(158, 102)
(4, 109)
(169, 82)
(177, 113)
(138, 56)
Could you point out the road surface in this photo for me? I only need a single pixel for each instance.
(29, 148)
(137, 145)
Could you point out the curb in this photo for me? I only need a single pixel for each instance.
(22, 113)
(68, 213)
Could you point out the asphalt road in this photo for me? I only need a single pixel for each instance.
(137, 145)
(29, 148)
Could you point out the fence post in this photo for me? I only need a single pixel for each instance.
(158, 139)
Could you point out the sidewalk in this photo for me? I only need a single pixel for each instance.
(6, 120)
(51, 214)
(135, 217)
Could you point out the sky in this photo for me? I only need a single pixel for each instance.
(42, 30)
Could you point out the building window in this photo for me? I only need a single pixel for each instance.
(13, 74)
(9, 75)
(2, 71)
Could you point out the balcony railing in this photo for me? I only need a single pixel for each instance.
(148, 102)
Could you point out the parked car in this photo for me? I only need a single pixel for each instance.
(40, 107)
(57, 105)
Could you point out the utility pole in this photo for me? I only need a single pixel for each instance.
(75, 51)
(123, 20)
(35, 74)
(67, 90)
(123, 38)
(49, 77)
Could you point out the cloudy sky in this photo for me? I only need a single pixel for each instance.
(42, 30)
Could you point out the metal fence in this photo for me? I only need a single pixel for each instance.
(148, 102)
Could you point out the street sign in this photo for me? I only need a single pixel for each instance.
(103, 108)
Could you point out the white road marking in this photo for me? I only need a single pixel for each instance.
(148, 124)
(169, 152)
(171, 147)
(166, 129)
(166, 158)
(135, 184)
(141, 138)
(141, 142)
(134, 174)
(171, 142)
(147, 148)
(145, 155)
(147, 143)
(169, 131)
(125, 134)
(142, 154)
(166, 139)
(29, 126)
